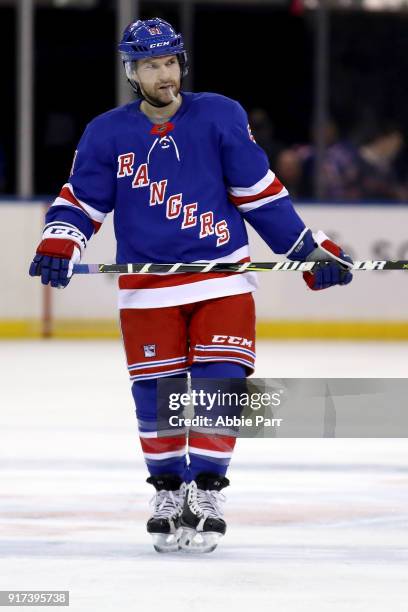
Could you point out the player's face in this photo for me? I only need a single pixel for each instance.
(159, 78)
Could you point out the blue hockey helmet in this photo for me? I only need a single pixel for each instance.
(151, 38)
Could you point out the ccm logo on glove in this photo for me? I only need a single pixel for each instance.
(61, 247)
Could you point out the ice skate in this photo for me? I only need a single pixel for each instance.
(164, 524)
(201, 520)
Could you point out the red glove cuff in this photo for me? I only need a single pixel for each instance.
(57, 247)
(331, 247)
(310, 280)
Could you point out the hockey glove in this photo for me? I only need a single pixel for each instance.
(333, 267)
(61, 247)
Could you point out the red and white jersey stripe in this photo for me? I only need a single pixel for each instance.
(68, 198)
(268, 189)
(156, 290)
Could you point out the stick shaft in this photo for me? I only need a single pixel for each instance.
(269, 266)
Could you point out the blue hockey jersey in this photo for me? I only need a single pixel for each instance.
(179, 192)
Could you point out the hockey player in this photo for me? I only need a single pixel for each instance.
(181, 172)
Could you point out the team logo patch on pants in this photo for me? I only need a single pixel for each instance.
(149, 350)
(167, 341)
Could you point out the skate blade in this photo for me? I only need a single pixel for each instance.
(192, 541)
(166, 542)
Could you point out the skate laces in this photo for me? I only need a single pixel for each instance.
(166, 503)
(209, 502)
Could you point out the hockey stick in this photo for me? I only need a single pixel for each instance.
(249, 266)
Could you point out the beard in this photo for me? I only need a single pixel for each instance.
(161, 98)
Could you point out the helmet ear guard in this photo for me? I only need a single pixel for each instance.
(183, 61)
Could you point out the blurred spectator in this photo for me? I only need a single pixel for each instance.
(263, 132)
(380, 175)
(341, 168)
(289, 170)
(401, 168)
(375, 170)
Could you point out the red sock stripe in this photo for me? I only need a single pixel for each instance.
(215, 442)
(163, 444)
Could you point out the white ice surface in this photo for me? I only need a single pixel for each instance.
(313, 525)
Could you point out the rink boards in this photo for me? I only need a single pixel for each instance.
(371, 307)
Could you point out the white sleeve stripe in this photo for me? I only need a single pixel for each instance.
(294, 245)
(61, 223)
(93, 214)
(258, 187)
(96, 215)
(63, 202)
(253, 205)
